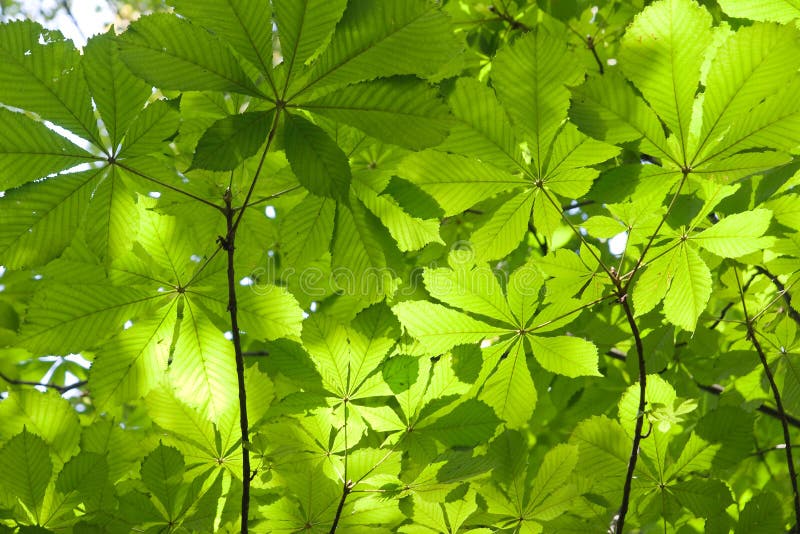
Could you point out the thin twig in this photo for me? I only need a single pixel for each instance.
(793, 313)
(228, 243)
(776, 394)
(60, 389)
(163, 184)
(619, 520)
(346, 489)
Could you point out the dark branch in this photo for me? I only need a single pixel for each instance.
(776, 394)
(346, 489)
(787, 298)
(60, 389)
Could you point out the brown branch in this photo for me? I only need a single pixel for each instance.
(592, 45)
(618, 522)
(346, 489)
(776, 394)
(505, 17)
(787, 298)
(60, 389)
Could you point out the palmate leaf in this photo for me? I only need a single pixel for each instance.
(30, 150)
(737, 234)
(41, 74)
(530, 78)
(481, 127)
(47, 415)
(509, 390)
(148, 132)
(782, 11)
(162, 474)
(748, 68)
(66, 319)
(402, 111)
(118, 94)
(318, 162)
(173, 53)
(410, 233)
(440, 328)
(667, 41)
(456, 182)
(690, 289)
(231, 140)
(303, 27)
(245, 24)
(568, 356)
(473, 290)
(306, 231)
(38, 220)
(503, 232)
(378, 40)
(127, 367)
(203, 370)
(25, 471)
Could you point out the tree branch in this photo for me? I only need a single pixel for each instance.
(618, 522)
(60, 389)
(776, 394)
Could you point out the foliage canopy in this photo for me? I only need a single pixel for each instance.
(339, 265)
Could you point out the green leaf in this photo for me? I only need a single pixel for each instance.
(358, 259)
(568, 356)
(304, 27)
(29, 150)
(750, 66)
(469, 424)
(555, 470)
(772, 123)
(127, 367)
(87, 475)
(530, 78)
(203, 368)
(231, 140)
(737, 234)
(41, 73)
(523, 290)
(473, 290)
(689, 291)
(269, 312)
(306, 231)
(25, 471)
(244, 24)
(383, 39)
(411, 233)
(662, 53)
(762, 512)
(66, 319)
(782, 11)
(326, 341)
(456, 182)
(607, 108)
(117, 93)
(510, 390)
(704, 498)
(439, 328)
(150, 130)
(403, 111)
(482, 128)
(162, 474)
(38, 220)
(318, 162)
(173, 53)
(503, 232)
